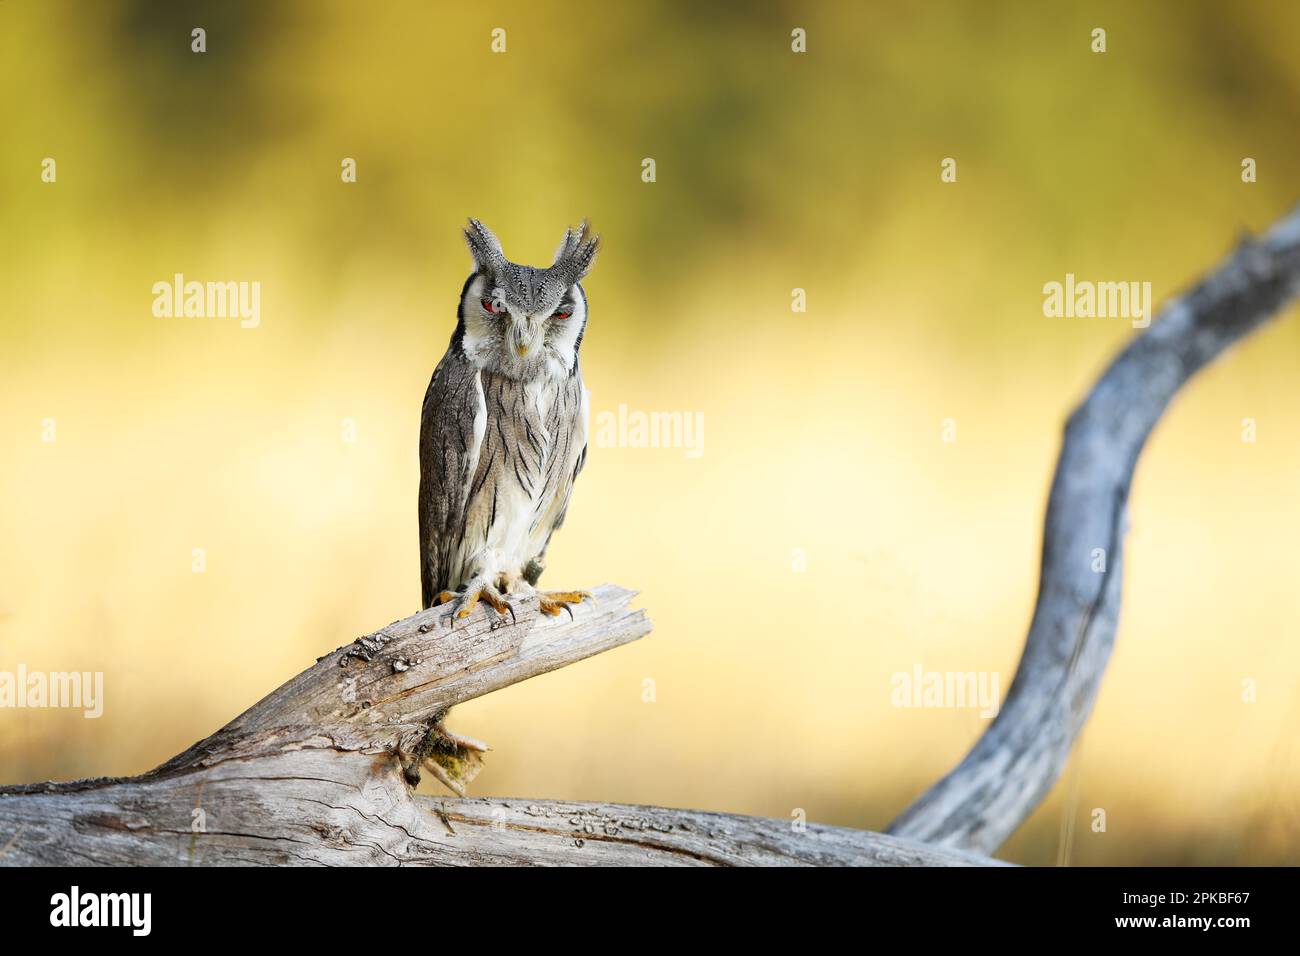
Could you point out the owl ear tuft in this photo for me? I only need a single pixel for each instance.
(484, 247)
(577, 252)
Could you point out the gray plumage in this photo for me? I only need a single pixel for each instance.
(503, 433)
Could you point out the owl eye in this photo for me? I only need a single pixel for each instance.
(560, 314)
(494, 307)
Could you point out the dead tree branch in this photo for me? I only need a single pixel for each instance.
(316, 773)
(1013, 766)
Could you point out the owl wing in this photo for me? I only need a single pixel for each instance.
(451, 433)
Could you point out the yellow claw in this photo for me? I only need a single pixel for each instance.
(471, 601)
(488, 596)
(552, 603)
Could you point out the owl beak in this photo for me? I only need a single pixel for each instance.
(522, 337)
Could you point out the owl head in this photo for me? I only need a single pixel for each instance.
(522, 321)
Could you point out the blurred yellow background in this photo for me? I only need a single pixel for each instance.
(822, 438)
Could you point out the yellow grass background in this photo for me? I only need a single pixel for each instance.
(822, 429)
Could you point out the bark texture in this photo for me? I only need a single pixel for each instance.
(317, 773)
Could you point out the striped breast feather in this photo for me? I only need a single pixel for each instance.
(567, 422)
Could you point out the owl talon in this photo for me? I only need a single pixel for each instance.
(488, 595)
(553, 602)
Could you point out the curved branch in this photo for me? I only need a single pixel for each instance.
(1012, 767)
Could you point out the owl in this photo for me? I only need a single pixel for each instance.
(503, 434)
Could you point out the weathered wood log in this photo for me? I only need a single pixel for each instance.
(318, 773)
(1017, 760)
